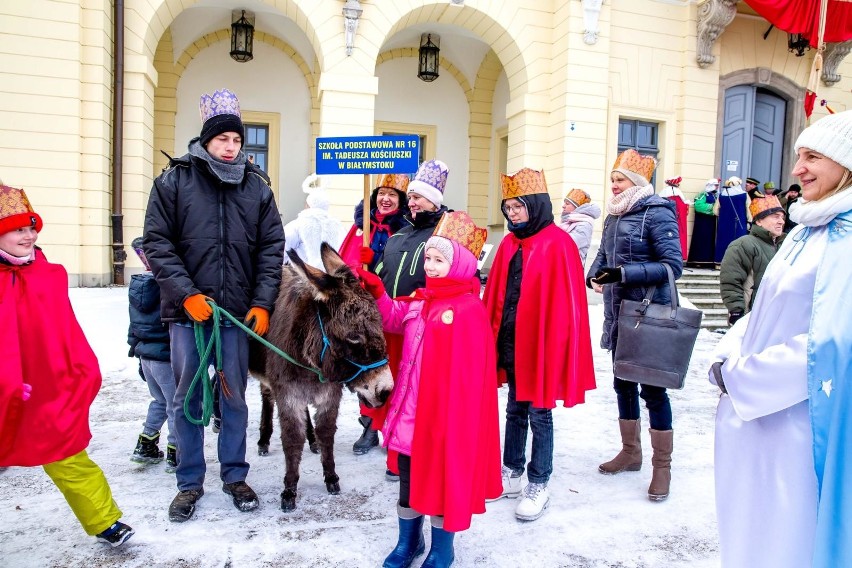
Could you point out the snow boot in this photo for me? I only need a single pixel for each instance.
(410, 544)
(535, 500)
(441, 553)
(661, 441)
(147, 449)
(369, 438)
(116, 535)
(171, 459)
(245, 499)
(183, 505)
(511, 485)
(630, 456)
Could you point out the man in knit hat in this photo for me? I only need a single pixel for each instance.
(746, 259)
(213, 232)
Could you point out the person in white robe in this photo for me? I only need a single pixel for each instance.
(313, 225)
(784, 421)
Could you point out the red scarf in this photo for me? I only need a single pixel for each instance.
(378, 223)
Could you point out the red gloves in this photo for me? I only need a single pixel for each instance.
(371, 283)
(197, 308)
(366, 255)
(261, 320)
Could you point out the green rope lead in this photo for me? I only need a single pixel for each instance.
(204, 355)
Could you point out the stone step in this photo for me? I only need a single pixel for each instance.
(702, 292)
(693, 282)
(708, 312)
(714, 324)
(708, 303)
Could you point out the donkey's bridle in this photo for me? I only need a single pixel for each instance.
(361, 368)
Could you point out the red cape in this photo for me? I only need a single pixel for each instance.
(682, 210)
(350, 248)
(553, 347)
(455, 453)
(42, 344)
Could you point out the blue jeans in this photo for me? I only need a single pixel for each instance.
(191, 466)
(161, 385)
(519, 417)
(656, 400)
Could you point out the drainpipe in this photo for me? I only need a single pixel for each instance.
(118, 253)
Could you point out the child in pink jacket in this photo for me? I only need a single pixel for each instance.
(443, 416)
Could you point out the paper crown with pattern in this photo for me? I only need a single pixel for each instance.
(525, 181)
(16, 211)
(632, 161)
(459, 227)
(578, 197)
(220, 102)
(761, 207)
(398, 182)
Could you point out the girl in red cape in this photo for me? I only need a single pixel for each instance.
(49, 374)
(443, 417)
(536, 300)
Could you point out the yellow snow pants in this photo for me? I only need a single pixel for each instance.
(86, 490)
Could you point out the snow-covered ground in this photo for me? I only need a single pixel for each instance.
(593, 520)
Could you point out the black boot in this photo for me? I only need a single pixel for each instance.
(369, 438)
(410, 543)
(183, 505)
(147, 449)
(171, 459)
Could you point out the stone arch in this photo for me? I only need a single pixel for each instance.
(171, 73)
(490, 30)
(787, 89)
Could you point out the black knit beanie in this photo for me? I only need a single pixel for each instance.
(216, 125)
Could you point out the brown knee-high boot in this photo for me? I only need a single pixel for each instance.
(661, 441)
(630, 456)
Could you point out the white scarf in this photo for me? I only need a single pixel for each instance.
(624, 201)
(821, 212)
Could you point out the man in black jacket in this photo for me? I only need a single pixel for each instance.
(213, 232)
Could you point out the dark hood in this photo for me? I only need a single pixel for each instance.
(540, 210)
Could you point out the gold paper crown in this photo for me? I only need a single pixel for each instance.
(632, 161)
(398, 182)
(760, 207)
(523, 182)
(459, 227)
(578, 197)
(16, 211)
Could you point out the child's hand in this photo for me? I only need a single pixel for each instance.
(371, 283)
(27, 390)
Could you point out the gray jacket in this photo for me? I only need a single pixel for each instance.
(579, 224)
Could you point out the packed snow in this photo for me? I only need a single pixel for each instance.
(593, 520)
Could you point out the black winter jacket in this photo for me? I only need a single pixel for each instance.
(204, 236)
(401, 267)
(147, 336)
(638, 241)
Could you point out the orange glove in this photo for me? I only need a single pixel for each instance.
(261, 320)
(371, 283)
(366, 255)
(197, 308)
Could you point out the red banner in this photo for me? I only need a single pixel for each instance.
(802, 17)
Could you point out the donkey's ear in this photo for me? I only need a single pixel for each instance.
(320, 282)
(330, 259)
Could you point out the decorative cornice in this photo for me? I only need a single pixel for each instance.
(713, 17)
(591, 15)
(834, 54)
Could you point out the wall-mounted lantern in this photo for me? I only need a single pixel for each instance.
(797, 44)
(242, 36)
(351, 14)
(427, 68)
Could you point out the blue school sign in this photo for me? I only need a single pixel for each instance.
(368, 155)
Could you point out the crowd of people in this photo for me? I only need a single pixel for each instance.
(213, 234)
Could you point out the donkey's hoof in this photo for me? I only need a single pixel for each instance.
(288, 500)
(333, 488)
(314, 447)
(263, 450)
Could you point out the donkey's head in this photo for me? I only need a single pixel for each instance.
(354, 350)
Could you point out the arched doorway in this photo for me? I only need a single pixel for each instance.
(753, 134)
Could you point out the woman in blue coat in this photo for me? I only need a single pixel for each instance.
(640, 235)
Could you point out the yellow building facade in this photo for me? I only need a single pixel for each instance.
(553, 84)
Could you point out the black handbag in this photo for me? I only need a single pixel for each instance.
(655, 341)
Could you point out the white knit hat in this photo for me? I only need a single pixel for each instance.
(831, 136)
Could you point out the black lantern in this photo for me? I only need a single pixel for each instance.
(242, 39)
(797, 43)
(427, 70)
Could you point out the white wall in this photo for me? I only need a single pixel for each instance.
(281, 89)
(405, 98)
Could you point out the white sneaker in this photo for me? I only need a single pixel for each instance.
(511, 485)
(535, 501)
